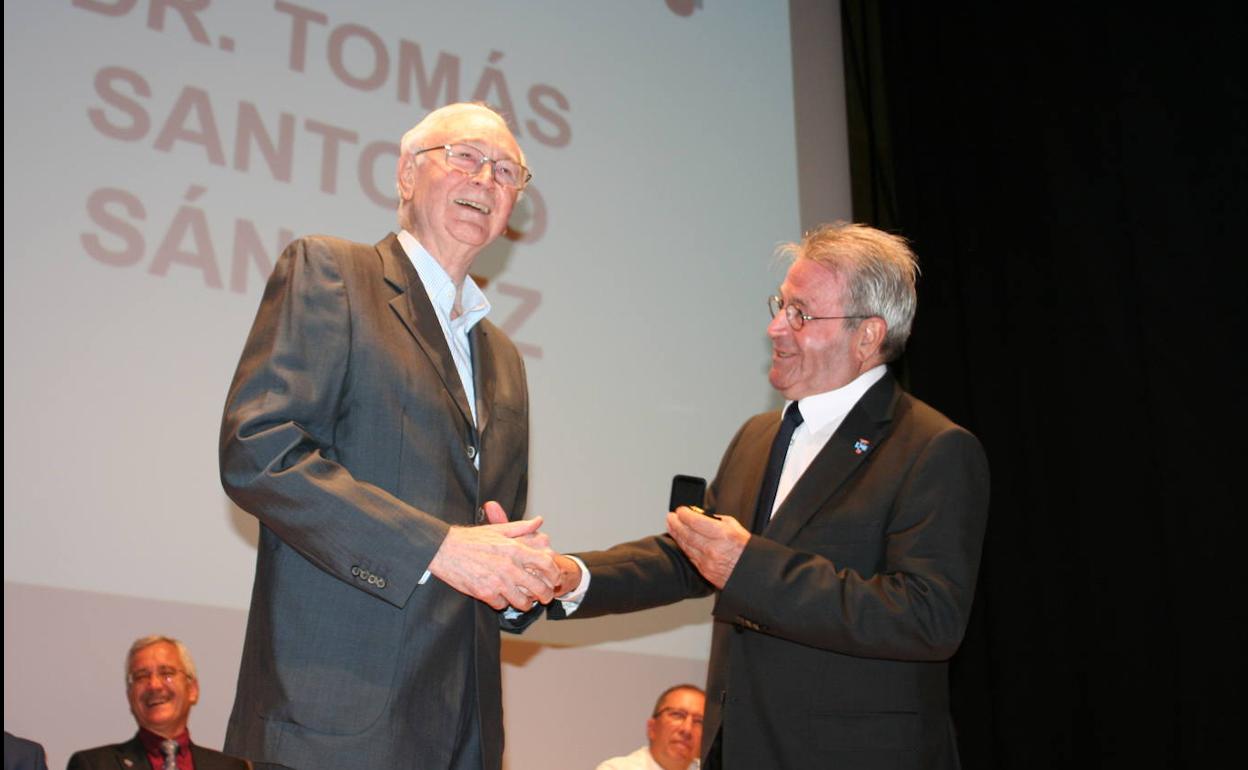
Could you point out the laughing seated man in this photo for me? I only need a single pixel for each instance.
(161, 688)
(674, 730)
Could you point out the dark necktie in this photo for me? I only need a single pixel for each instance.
(170, 749)
(775, 464)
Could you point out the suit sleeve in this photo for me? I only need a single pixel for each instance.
(645, 573)
(277, 449)
(914, 604)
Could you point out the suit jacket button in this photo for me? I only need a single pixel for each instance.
(481, 515)
(471, 451)
(381, 582)
(355, 571)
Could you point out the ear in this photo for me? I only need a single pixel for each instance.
(869, 337)
(406, 175)
(192, 693)
(651, 729)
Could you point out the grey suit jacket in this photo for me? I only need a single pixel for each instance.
(832, 636)
(347, 433)
(131, 756)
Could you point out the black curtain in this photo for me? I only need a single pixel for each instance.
(1073, 181)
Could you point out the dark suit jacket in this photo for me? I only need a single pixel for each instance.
(128, 755)
(347, 433)
(832, 635)
(23, 754)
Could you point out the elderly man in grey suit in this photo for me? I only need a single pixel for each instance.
(161, 687)
(844, 541)
(375, 424)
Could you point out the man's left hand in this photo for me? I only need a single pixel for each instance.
(713, 544)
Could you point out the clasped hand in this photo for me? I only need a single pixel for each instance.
(503, 563)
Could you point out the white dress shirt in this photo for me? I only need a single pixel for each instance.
(441, 291)
(822, 414)
(641, 759)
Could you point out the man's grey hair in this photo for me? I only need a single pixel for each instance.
(879, 269)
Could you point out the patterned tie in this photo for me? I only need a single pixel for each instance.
(169, 748)
(775, 464)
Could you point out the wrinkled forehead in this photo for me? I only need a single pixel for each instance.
(689, 700)
(812, 282)
(157, 653)
(477, 126)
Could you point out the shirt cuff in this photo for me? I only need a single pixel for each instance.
(572, 599)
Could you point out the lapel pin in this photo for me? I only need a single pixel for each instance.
(862, 446)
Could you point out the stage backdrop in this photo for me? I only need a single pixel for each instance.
(158, 158)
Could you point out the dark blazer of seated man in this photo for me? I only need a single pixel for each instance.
(23, 754)
(161, 687)
(846, 542)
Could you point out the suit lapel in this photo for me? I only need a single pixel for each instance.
(755, 465)
(132, 756)
(482, 372)
(417, 314)
(858, 436)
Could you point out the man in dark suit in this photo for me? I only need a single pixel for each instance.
(845, 539)
(161, 687)
(23, 754)
(374, 413)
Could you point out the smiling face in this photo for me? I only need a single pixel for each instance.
(454, 214)
(825, 354)
(675, 742)
(161, 706)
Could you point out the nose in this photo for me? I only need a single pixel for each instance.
(779, 325)
(154, 682)
(485, 172)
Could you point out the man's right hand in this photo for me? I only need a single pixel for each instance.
(506, 564)
(569, 574)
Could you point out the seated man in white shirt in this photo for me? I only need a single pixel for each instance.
(674, 730)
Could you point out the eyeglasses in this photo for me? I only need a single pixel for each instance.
(468, 160)
(797, 319)
(678, 716)
(165, 674)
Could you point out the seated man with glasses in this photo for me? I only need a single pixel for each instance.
(161, 688)
(674, 730)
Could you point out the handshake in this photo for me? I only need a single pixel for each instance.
(511, 564)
